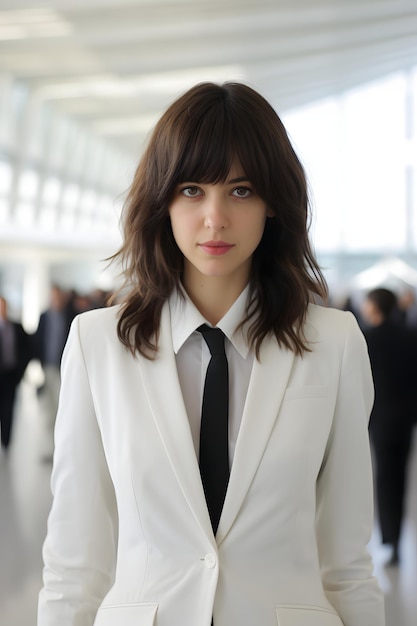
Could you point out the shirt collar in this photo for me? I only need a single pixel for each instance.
(186, 318)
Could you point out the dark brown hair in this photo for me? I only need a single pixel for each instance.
(384, 299)
(197, 139)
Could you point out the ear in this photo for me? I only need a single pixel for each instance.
(270, 212)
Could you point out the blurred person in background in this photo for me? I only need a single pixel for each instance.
(78, 302)
(393, 354)
(407, 305)
(99, 298)
(15, 354)
(50, 338)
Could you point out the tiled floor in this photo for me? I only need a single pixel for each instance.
(25, 501)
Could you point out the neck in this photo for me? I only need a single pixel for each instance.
(213, 296)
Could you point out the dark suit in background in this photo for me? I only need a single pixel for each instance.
(15, 353)
(393, 354)
(50, 338)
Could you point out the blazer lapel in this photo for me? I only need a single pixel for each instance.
(266, 390)
(164, 395)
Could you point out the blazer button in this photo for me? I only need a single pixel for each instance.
(210, 561)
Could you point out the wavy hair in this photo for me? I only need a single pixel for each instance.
(198, 138)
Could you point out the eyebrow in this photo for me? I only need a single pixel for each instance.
(240, 179)
(231, 181)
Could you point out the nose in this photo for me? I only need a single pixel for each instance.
(216, 214)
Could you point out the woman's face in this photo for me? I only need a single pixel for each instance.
(217, 227)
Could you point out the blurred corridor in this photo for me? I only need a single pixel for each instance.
(81, 86)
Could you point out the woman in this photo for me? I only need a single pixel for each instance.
(215, 234)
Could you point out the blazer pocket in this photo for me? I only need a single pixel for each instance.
(308, 391)
(304, 615)
(126, 615)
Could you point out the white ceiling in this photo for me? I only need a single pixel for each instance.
(116, 64)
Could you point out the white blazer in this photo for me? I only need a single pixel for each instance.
(129, 537)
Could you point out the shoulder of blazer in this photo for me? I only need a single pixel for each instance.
(97, 324)
(98, 328)
(325, 323)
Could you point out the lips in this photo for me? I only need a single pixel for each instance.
(216, 248)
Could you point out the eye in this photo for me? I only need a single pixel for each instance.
(191, 191)
(242, 192)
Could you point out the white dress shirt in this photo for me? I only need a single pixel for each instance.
(192, 358)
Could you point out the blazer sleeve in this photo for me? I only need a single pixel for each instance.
(345, 493)
(80, 548)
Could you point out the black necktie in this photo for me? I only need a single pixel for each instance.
(214, 452)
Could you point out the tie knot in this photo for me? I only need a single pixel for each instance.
(214, 338)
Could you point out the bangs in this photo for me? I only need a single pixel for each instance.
(206, 148)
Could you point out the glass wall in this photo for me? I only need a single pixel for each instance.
(360, 153)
